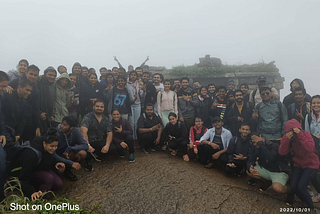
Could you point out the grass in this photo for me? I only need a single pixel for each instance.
(15, 196)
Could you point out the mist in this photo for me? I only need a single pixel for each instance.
(171, 33)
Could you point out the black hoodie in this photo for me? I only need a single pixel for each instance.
(290, 98)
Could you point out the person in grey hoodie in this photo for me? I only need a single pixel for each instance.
(134, 94)
(62, 98)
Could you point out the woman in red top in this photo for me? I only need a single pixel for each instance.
(305, 159)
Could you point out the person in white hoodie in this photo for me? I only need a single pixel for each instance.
(135, 94)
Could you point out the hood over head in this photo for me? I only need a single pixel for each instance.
(64, 75)
(290, 124)
(298, 81)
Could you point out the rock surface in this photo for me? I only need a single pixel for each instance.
(161, 183)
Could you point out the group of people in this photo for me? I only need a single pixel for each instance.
(51, 124)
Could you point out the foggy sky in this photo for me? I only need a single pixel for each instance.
(171, 32)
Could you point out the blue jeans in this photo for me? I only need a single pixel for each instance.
(133, 119)
(3, 172)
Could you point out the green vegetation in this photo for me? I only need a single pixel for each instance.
(15, 196)
(196, 71)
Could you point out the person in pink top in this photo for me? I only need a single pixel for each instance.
(305, 159)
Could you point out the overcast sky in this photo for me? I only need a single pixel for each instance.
(171, 32)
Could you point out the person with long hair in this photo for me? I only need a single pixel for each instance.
(202, 105)
(135, 94)
(22, 68)
(89, 94)
(176, 136)
(167, 102)
(122, 135)
(33, 165)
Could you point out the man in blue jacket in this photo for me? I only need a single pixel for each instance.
(72, 144)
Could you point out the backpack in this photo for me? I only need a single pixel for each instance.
(316, 144)
(293, 107)
(21, 149)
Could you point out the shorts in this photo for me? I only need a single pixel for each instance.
(274, 177)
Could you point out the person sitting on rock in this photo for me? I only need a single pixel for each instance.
(196, 132)
(96, 129)
(122, 135)
(215, 144)
(72, 144)
(238, 151)
(175, 135)
(271, 166)
(149, 129)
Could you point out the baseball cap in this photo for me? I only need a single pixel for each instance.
(262, 78)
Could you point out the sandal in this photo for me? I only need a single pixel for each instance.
(186, 158)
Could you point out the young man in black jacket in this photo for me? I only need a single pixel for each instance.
(238, 151)
(32, 127)
(149, 92)
(238, 113)
(72, 145)
(272, 166)
(15, 110)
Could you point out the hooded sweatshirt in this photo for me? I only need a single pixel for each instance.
(303, 148)
(289, 99)
(62, 99)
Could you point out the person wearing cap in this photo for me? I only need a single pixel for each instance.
(215, 143)
(46, 87)
(269, 116)
(255, 97)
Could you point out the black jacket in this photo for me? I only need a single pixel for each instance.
(14, 109)
(238, 146)
(28, 160)
(231, 118)
(290, 98)
(33, 110)
(179, 131)
(151, 94)
(88, 92)
(269, 157)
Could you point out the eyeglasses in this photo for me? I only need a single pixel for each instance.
(266, 93)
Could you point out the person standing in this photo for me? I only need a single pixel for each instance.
(186, 97)
(149, 91)
(22, 68)
(47, 90)
(167, 101)
(135, 94)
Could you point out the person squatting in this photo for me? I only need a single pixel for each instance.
(53, 124)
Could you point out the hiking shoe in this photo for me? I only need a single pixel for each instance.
(95, 156)
(131, 158)
(252, 182)
(147, 151)
(89, 167)
(69, 174)
(316, 198)
(153, 149)
(289, 200)
(164, 148)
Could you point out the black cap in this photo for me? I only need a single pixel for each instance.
(261, 78)
(216, 118)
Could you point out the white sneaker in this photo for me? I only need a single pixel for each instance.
(164, 148)
(316, 198)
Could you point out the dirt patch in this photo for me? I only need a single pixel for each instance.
(161, 183)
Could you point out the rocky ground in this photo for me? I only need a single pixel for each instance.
(161, 183)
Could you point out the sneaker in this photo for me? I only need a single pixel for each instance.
(131, 158)
(69, 174)
(316, 198)
(121, 155)
(252, 182)
(95, 156)
(147, 151)
(164, 148)
(289, 200)
(153, 149)
(89, 167)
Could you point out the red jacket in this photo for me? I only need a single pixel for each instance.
(303, 147)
